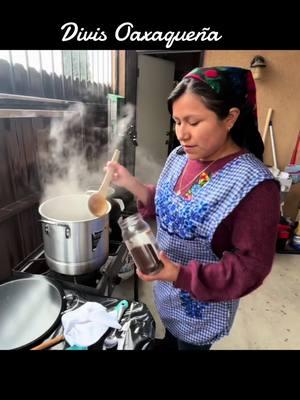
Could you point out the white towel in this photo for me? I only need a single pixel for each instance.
(88, 323)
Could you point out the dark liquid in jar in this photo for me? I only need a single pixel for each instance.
(146, 259)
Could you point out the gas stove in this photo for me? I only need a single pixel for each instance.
(104, 279)
(119, 264)
(97, 287)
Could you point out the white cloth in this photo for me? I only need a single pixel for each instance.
(88, 323)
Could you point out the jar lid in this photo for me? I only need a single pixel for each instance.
(132, 219)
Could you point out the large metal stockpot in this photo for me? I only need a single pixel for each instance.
(75, 241)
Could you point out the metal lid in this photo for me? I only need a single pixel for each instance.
(30, 308)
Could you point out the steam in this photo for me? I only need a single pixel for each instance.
(147, 168)
(74, 155)
(118, 131)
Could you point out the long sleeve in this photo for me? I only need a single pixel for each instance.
(246, 258)
(148, 210)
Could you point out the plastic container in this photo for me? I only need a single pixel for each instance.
(296, 242)
(141, 244)
(282, 239)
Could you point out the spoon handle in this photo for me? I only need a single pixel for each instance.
(49, 343)
(107, 178)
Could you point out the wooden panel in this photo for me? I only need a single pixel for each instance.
(36, 83)
(7, 185)
(21, 139)
(10, 247)
(20, 230)
(130, 97)
(21, 79)
(59, 86)
(5, 77)
(31, 156)
(115, 78)
(122, 73)
(48, 84)
(18, 170)
(30, 230)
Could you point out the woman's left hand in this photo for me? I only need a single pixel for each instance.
(169, 271)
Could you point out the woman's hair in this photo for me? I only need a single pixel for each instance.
(244, 132)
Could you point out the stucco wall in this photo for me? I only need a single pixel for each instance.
(279, 89)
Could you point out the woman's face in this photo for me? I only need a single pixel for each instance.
(198, 129)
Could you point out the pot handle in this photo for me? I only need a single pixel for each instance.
(67, 227)
(96, 236)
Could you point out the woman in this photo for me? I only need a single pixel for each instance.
(217, 207)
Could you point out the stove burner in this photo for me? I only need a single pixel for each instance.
(72, 302)
(89, 279)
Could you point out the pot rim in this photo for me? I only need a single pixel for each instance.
(92, 218)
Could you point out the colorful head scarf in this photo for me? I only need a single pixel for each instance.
(232, 84)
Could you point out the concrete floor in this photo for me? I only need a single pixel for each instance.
(268, 318)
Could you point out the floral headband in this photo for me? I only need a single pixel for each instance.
(230, 83)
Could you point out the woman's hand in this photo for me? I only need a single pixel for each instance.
(121, 176)
(168, 273)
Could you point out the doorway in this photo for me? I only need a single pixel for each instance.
(158, 73)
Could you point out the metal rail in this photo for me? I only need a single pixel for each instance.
(23, 113)
(7, 96)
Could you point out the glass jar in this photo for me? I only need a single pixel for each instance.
(141, 244)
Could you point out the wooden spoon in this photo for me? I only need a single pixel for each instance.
(49, 343)
(97, 201)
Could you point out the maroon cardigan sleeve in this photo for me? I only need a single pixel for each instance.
(247, 257)
(148, 210)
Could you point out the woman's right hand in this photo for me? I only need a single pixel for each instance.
(121, 176)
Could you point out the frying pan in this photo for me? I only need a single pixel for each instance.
(30, 310)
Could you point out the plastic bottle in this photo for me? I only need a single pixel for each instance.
(297, 230)
(141, 244)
